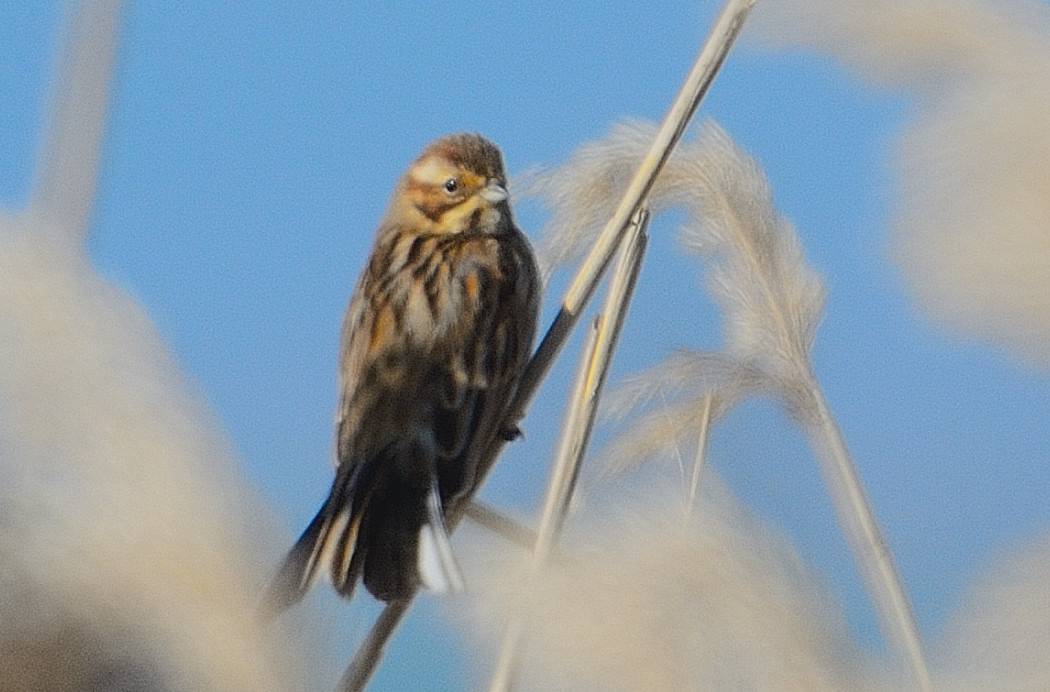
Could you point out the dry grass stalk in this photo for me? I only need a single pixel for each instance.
(579, 423)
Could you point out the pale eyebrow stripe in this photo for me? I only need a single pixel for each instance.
(433, 171)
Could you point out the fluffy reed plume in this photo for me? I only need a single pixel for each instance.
(639, 600)
(694, 389)
(999, 638)
(771, 305)
(771, 300)
(972, 227)
(129, 554)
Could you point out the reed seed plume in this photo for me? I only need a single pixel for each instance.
(771, 305)
(641, 601)
(681, 373)
(664, 405)
(972, 217)
(999, 638)
(130, 553)
(130, 556)
(637, 599)
(579, 195)
(771, 300)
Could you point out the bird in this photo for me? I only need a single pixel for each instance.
(435, 339)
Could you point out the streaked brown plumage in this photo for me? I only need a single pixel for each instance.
(434, 342)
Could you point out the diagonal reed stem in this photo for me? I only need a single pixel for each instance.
(67, 170)
(713, 53)
(700, 461)
(488, 517)
(865, 538)
(579, 423)
(558, 492)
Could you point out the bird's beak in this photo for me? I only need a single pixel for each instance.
(493, 192)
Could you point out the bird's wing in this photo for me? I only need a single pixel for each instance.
(490, 357)
(356, 350)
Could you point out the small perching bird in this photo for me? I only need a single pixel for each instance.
(435, 339)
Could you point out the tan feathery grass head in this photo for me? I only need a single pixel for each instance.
(999, 637)
(972, 167)
(129, 552)
(771, 300)
(638, 599)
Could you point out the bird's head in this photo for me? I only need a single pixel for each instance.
(458, 185)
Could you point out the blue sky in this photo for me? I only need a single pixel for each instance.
(250, 152)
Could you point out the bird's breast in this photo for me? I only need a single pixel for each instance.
(448, 292)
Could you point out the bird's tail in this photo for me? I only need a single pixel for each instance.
(405, 544)
(329, 541)
(379, 528)
(436, 563)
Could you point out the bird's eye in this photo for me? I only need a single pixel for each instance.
(451, 185)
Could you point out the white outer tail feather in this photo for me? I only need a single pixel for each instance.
(438, 570)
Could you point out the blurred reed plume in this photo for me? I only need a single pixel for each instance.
(999, 638)
(130, 553)
(972, 165)
(771, 300)
(639, 600)
(771, 304)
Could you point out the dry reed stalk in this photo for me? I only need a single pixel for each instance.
(579, 423)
